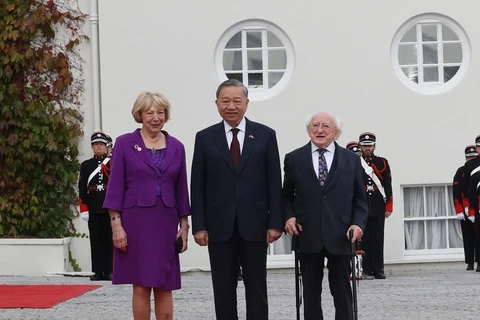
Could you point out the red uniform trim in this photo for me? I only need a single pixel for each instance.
(83, 206)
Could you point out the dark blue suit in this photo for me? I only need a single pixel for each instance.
(237, 207)
(325, 213)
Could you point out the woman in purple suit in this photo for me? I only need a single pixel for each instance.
(147, 199)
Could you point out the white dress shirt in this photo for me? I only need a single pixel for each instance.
(328, 156)
(240, 135)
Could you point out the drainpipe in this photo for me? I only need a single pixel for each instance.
(97, 102)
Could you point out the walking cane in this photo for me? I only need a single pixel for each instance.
(353, 247)
(298, 277)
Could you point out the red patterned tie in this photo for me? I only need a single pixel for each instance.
(322, 166)
(235, 148)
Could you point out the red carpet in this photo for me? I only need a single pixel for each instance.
(39, 296)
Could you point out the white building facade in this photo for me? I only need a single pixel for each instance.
(403, 70)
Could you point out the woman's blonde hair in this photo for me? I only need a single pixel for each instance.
(146, 100)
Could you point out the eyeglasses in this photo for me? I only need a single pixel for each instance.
(323, 126)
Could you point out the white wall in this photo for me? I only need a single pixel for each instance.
(80, 247)
(34, 257)
(342, 65)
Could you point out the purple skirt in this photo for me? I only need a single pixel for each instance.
(150, 259)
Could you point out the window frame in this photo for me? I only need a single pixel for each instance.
(257, 25)
(431, 88)
(428, 252)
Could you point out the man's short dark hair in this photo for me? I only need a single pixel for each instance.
(231, 83)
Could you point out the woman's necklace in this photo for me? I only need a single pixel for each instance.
(153, 144)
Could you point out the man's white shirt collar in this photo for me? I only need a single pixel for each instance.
(241, 126)
(330, 147)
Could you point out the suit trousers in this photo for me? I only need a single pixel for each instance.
(101, 244)
(225, 258)
(312, 266)
(372, 244)
(471, 245)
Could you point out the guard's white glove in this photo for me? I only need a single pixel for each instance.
(84, 215)
(472, 218)
(460, 216)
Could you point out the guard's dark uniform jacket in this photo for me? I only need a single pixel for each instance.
(92, 191)
(460, 199)
(458, 195)
(471, 245)
(471, 187)
(376, 204)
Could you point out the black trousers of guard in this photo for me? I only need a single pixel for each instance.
(471, 245)
(372, 244)
(101, 244)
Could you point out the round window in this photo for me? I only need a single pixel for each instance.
(257, 53)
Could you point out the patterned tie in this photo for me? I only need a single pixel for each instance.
(235, 148)
(322, 166)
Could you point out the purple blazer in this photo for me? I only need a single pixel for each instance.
(133, 177)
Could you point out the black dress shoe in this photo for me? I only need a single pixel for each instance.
(380, 276)
(96, 277)
(107, 276)
(470, 266)
(478, 267)
(368, 277)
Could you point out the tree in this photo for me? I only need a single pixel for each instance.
(41, 84)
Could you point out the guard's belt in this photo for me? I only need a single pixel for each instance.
(97, 187)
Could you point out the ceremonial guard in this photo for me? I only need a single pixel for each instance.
(92, 185)
(353, 146)
(471, 187)
(471, 245)
(378, 188)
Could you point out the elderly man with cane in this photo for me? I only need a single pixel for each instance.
(324, 200)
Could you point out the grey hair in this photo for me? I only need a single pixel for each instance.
(336, 121)
(231, 83)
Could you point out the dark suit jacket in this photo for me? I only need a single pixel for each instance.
(220, 194)
(325, 213)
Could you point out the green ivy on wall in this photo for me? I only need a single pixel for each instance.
(40, 120)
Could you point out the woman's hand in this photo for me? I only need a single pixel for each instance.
(183, 232)
(119, 237)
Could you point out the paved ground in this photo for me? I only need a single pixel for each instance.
(442, 291)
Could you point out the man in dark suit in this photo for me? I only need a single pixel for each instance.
(236, 201)
(323, 200)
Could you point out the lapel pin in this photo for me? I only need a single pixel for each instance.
(137, 147)
(250, 137)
